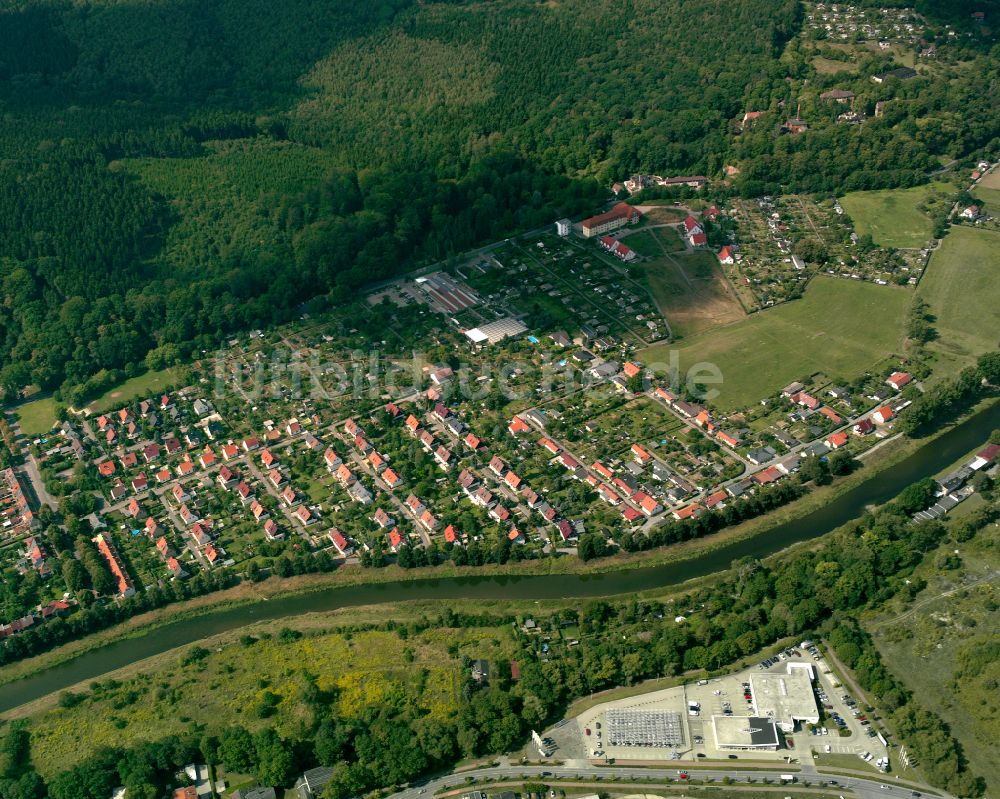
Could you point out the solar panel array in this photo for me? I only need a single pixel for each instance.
(651, 728)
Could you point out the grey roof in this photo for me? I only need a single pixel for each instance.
(257, 792)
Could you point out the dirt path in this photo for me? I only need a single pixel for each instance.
(924, 602)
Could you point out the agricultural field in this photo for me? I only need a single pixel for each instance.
(691, 292)
(938, 643)
(233, 683)
(37, 417)
(962, 288)
(893, 217)
(839, 327)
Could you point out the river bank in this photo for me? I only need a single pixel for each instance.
(248, 593)
(803, 521)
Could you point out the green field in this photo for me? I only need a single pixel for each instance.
(925, 643)
(962, 288)
(989, 198)
(839, 328)
(892, 217)
(37, 417)
(691, 291)
(228, 684)
(644, 243)
(145, 385)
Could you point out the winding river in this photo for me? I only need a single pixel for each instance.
(928, 460)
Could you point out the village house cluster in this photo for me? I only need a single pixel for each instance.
(229, 472)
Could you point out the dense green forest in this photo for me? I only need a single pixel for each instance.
(173, 171)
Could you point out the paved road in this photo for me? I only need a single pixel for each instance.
(863, 787)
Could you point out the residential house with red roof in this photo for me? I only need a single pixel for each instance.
(443, 457)
(882, 415)
(863, 427)
(549, 444)
(517, 426)
(640, 454)
(729, 439)
(337, 538)
(428, 520)
(332, 460)
(245, 493)
(837, 440)
(899, 379)
(115, 565)
(271, 531)
(226, 477)
(689, 512)
(345, 475)
(259, 511)
(832, 415)
(512, 480)
(390, 478)
(631, 514)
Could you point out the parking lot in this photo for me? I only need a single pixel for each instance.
(676, 723)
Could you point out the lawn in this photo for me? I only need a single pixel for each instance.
(839, 328)
(145, 385)
(962, 287)
(691, 292)
(644, 242)
(892, 217)
(37, 417)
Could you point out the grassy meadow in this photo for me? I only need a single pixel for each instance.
(951, 622)
(892, 217)
(839, 328)
(144, 385)
(691, 291)
(36, 417)
(232, 681)
(962, 288)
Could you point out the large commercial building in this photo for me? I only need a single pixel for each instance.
(495, 331)
(741, 732)
(619, 216)
(788, 699)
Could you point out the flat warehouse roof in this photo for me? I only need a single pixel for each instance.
(496, 331)
(742, 732)
(784, 697)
